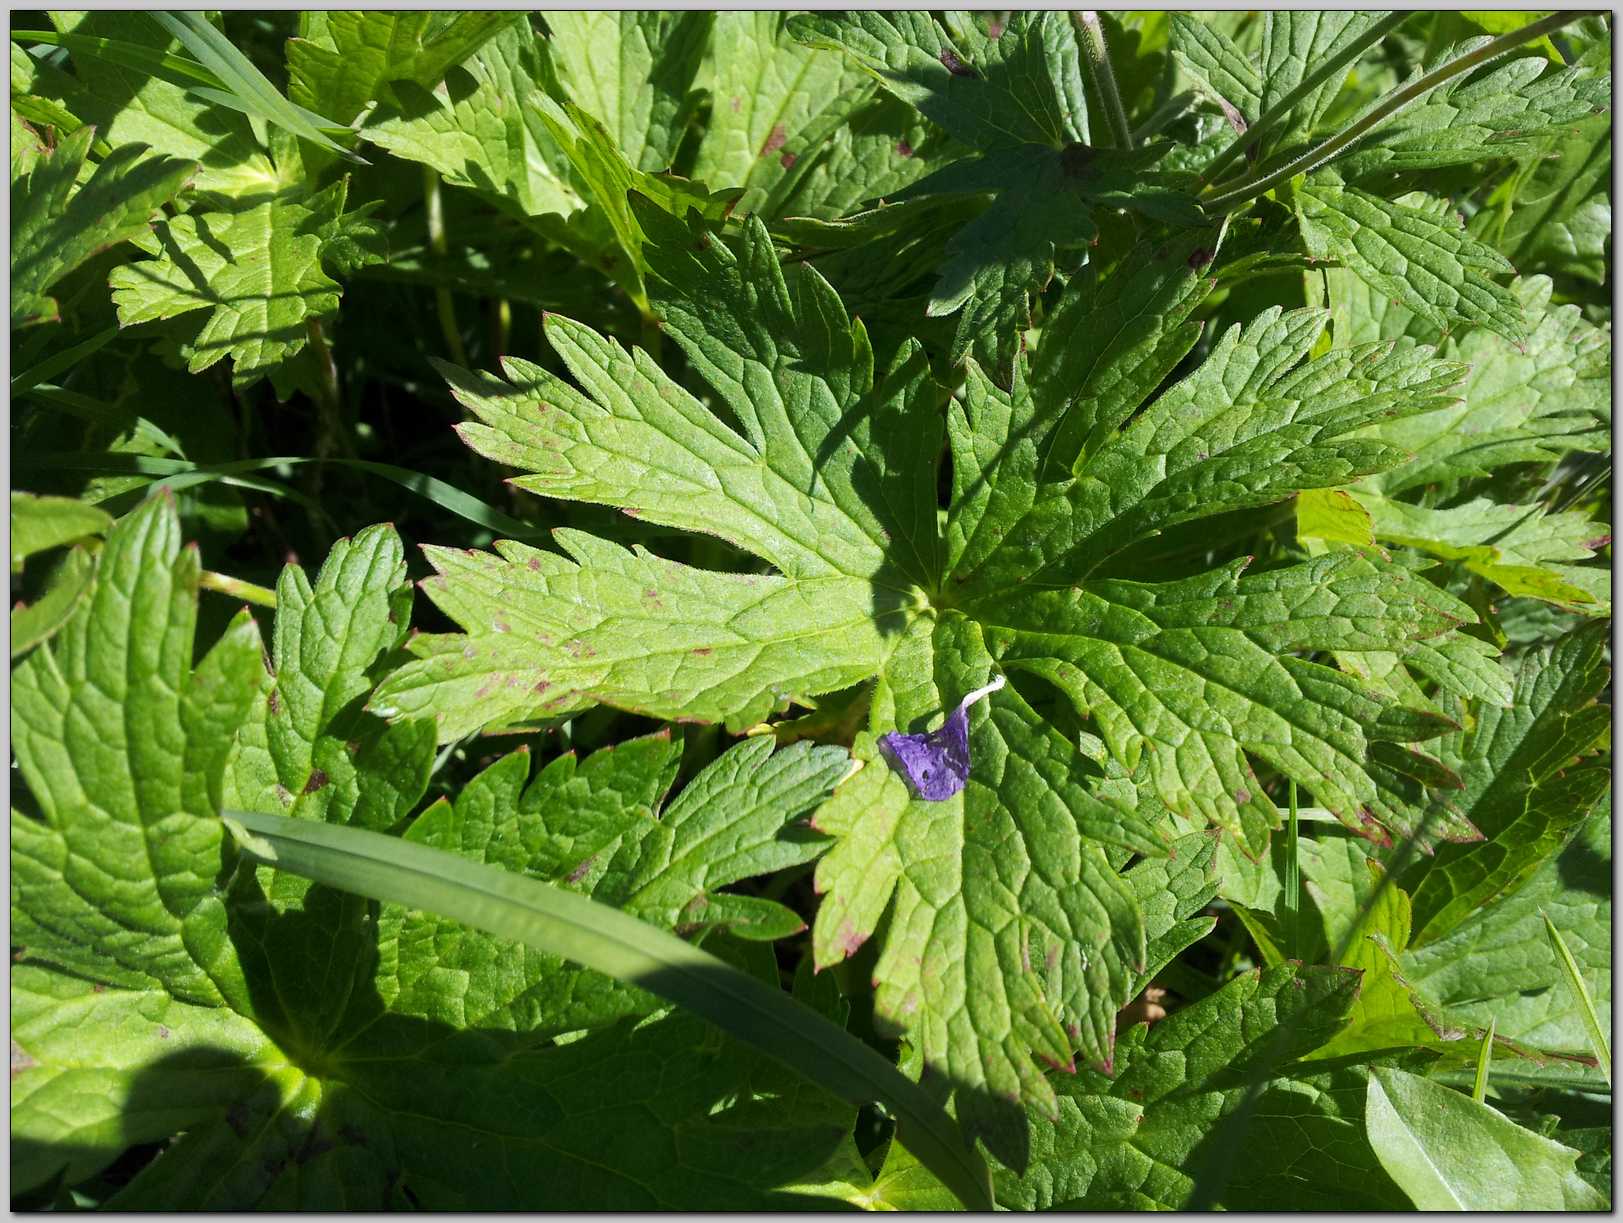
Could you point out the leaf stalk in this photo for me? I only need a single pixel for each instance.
(1104, 79)
(1393, 103)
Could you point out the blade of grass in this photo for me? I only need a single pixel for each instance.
(59, 363)
(1484, 1056)
(237, 78)
(609, 941)
(1586, 1004)
(180, 474)
(1293, 885)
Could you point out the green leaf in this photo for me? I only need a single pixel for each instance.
(1561, 218)
(131, 105)
(623, 946)
(607, 180)
(1021, 85)
(344, 59)
(1508, 112)
(632, 72)
(482, 127)
(258, 273)
(1410, 252)
(1521, 549)
(829, 477)
(1496, 963)
(40, 620)
(1294, 44)
(1218, 68)
(1520, 404)
(803, 131)
(329, 1094)
(245, 86)
(1448, 1152)
(57, 222)
(1528, 784)
(1014, 94)
(1580, 992)
(41, 523)
(1355, 912)
(152, 1067)
(123, 743)
(1133, 1141)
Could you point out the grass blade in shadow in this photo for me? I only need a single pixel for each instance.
(615, 943)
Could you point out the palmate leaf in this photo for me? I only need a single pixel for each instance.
(802, 130)
(1530, 777)
(257, 272)
(1010, 934)
(1497, 964)
(1136, 1140)
(633, 72)
(58, 223)
(128, 105)
(1521, 403)
(1010, 90)
(343, 60)
(1412, 251)
(308, 1048)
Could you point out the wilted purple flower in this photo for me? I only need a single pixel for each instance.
(936, 763)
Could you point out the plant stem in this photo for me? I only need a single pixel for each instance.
(1093, 43)
(1388, 106)
(1484, 1056)
(1293, 887)
(1276, 116)
(331, 434)
(237, 588)
(437, 245)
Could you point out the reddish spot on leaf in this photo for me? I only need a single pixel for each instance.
(163, 1032)
(737, 102)
(994, 29)
(774, 141)
(1199, 257)
(787, 161)
(701, 649)
(1242, 796)
(954, 65)
(535, 564)
(318, 779)
(1599, 542)
(903, 149)
(501, 626)
(850, 938)
(579, 873)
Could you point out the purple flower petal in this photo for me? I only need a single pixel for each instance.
(936, 763)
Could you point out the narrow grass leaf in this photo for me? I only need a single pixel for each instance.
(612, 942)
(1575, 979)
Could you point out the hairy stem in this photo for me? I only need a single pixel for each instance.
(1093, 44)
(1388, 106)
(437, 245)
(1276, 116)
